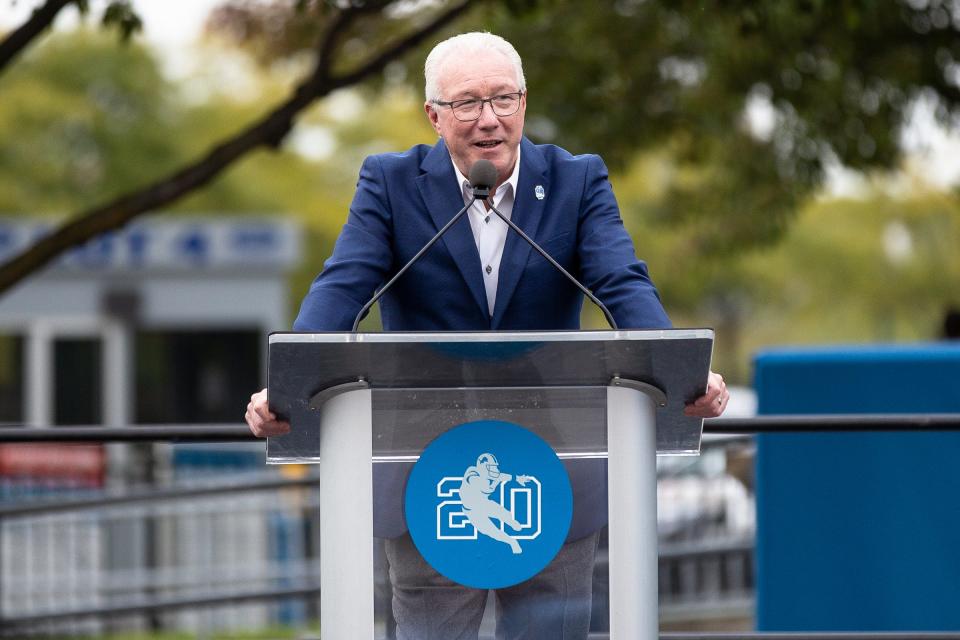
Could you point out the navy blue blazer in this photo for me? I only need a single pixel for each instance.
(402, 200)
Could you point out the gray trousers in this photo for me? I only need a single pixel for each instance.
(553, 605)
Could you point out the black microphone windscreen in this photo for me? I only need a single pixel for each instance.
(483, 174)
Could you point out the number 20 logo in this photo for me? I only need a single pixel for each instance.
(523, 502)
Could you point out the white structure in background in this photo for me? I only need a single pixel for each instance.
(167, 275)
(160, 323)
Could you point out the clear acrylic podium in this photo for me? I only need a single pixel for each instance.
(362, 407)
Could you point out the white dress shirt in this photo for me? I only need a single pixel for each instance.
(489, 231)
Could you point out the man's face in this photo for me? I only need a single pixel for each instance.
(491, 137)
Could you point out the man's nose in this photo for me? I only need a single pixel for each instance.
(487, 117)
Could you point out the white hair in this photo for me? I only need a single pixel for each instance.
(465, 44)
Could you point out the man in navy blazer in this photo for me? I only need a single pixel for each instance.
(479, 277)
(402, 199)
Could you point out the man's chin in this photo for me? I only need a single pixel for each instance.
(498, 157)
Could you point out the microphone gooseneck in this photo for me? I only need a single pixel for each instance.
(487, 166)
(483, 175)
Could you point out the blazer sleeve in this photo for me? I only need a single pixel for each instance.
(361, 260)
(608, 264)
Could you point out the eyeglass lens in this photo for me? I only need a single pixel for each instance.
(503, 105)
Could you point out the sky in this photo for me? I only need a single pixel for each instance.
(172, 27)
(168, 23)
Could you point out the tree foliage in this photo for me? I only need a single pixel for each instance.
(334, 67)
(126, 123)
(878, 268)
(835, 80)
(83, 121)
(838, 77)
(118, 14)
(668, 92)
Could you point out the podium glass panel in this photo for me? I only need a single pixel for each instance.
(366, 407)
(573, 420)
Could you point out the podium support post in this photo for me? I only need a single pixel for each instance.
(346, 519)
(632, 491)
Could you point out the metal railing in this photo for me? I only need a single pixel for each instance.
(681, 563)
(171, 596)
(72, 565)
(867, 423)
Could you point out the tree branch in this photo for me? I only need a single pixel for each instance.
(40, 19)
(337, 26)
(267, 131)
(400, 48)
(318, 79)
(329, 41)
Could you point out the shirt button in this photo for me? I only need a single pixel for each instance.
(488, 269)
(487, 219)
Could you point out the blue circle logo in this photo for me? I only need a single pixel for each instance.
(488, 504)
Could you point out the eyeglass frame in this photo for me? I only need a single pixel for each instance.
(519, 94)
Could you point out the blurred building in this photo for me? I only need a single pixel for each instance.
(163, 322)
(160, 323)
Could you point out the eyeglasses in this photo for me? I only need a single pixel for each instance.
(505, 104)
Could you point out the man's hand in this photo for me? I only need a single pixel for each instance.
(260, 420)
(712, 403)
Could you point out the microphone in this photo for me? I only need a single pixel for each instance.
(486, 167)
(483, 175)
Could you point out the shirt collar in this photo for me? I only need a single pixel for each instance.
(511, 182)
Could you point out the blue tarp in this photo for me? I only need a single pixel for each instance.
(859, 532)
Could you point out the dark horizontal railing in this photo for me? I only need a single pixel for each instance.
(814, 635)
(146, 496)
(10, 623)
(240, 433)
(674, 550)
(157, 606)
(164, 433)
(835, 422)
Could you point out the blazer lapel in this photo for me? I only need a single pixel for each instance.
(527, 214)
(442, 196)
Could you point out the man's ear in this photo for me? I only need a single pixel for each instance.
(433, 115)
